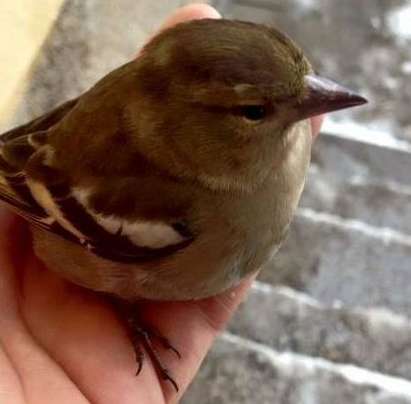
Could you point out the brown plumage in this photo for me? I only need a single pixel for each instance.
(177, 174)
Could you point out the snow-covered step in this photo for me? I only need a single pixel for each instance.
(379, 203)
(364, 181)
(286, 320)
(240, 371)
(333, 259)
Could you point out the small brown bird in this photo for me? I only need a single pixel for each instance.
(177, 174)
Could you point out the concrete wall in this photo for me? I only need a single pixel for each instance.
(24, 26)
(52, 50)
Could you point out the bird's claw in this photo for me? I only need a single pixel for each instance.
(143, 336)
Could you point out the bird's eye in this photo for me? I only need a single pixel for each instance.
(253, 112)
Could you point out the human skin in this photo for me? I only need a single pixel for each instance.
(63, 344)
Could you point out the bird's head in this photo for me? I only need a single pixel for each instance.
(220, 96)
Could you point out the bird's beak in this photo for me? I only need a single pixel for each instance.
(323, 95)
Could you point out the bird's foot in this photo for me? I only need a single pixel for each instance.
(143, 338)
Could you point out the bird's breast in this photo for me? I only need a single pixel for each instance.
(262, 218)
(240, 232)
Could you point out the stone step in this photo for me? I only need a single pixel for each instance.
(375, 339)
(354, 179)
(240, 371)
(333, 259)
(377, 203)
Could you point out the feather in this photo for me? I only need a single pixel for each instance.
(54, 206)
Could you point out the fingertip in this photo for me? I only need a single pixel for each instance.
(191, 12)
(316, 123)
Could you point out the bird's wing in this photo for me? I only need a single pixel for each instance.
(21, 142)
(41, 123)
(48, 200)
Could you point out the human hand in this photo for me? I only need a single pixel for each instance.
(63, 344)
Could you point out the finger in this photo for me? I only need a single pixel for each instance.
(316, 123)
(14, 244)
(190, 12)
(191, 327)
(85, 339)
